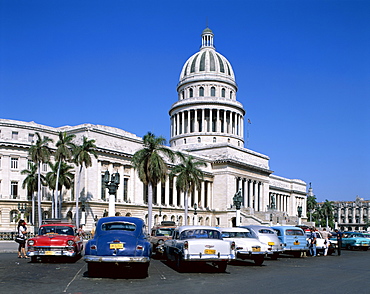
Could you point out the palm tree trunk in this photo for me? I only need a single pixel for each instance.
(33, 208)
(77, 198)
(150, 207)
(56, 192)
(186, 208)
(39, 194)
(60, 201)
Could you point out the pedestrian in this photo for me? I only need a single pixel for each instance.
(22, 231)
(326, 235)
(339, 240)
(312, 246)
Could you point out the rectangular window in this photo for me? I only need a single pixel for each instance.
(171, 192)
(125, 189)
(15, 135)
(14, 189)
(44, 167)
(163, 193)
(29, 163)
(30, 137)
(14, 163)
(103, 189)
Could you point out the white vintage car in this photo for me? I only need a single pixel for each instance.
(194, 244)
(246, 245)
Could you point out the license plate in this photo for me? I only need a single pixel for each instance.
(209, 251)
(116, 246)
(296, 243)
(256, 249)
(271, 243)
(49, 252)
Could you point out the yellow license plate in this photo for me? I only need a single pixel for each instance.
(296, 243)
(209, 251)
(116, 246)
(49, 252)
(256, 249)
(271, 243)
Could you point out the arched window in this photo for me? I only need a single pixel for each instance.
(231, 94)
(199, 140)
(182, 95)
(223, 92)
(214, 139)
(213, 91)
(184, 141)
(190, 93)
(201, 91)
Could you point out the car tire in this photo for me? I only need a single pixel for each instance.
(33, 259)
(259, 260)
(275, 256)
(297, 254)
(142, 270)
(221, 266)
(180, 264)
(365, 248)
(93, 269)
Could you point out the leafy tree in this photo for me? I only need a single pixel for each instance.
(40, 153)
(30, 182)
(151, 166)
(311, 206)
(60, 174)
(65, 147)
(327, 213)
(82, 157)
(189, 177)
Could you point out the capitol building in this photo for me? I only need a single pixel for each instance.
(206, 121)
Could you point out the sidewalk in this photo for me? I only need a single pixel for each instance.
(8, 246)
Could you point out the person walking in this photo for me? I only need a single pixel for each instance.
(313, 242)
(22, 231)
(339, 240)
(326, 235)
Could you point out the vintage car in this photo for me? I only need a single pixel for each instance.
(54, 240)
(159, 234)
(194, 244)
(292, 239)
(267, 236)
(354, 240)
(120, 243)
(246, 245)
(320, 243)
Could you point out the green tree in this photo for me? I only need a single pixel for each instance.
(40, 153)
(189, 177)
(60, 174)
(65, 148)
(82, 157)
(311, 206)
(151, 166)
(327, 213)
(30, 182)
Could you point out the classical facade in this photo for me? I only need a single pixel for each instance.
(206, 121)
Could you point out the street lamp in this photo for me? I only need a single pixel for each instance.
(237, 199)
(22, 207)
(195, 214)
(299, 210)
(112, 190)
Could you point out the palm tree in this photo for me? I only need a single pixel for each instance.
(327, 211)
(65, 147)
(311, 205)
(30, 182)
(82, 157)
(151, 166)
(189, 177)
(40, 153)
(60, 174)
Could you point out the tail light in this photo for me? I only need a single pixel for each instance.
(139, 247)
(186, 245)
(93, 247)
(232, 246)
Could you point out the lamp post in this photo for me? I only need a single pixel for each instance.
(299, 210)
(237, 199)
(160, 214)
(83, 213)
(195, 214)
(112, 186)
(22, 207)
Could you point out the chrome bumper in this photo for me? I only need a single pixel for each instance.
(208, 257)
(52, 253)
(95, 258)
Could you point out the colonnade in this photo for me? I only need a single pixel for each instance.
(252, 193)
(207, 120)
(280, 202)
(352, 215)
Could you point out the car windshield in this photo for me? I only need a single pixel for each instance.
(200, 234)
(60, 230)
(118, 226)
(237, 235)
(164, 232)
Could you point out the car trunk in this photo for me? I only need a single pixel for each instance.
(117, 244)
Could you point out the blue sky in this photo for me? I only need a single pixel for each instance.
(302, 67)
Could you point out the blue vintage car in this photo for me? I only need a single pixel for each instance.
(354, 240)
(121, 243)
(292, 239)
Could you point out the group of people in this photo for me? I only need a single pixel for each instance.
(326, 236)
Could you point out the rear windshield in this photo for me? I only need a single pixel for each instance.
(200, 234)
(266, 231)
(294, 233)
(118, 226)
(59, 230)
(164, 232)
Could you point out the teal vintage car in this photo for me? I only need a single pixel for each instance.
(292, 239)
(355, 240)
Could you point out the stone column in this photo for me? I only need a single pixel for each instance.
(196, 124)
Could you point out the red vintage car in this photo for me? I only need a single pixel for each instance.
(55, 240)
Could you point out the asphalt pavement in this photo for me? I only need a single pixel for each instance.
(8, 247)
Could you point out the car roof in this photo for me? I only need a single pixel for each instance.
(234, 229)
(287, 228)
(184, 228)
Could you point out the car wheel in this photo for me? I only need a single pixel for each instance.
(274, 256)
(33, 259)
(365, 248)
(221, 266)
(297, 254)
(349, 247)
(142, 270)
(179, 263)
(93, 269)
(259, 260)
